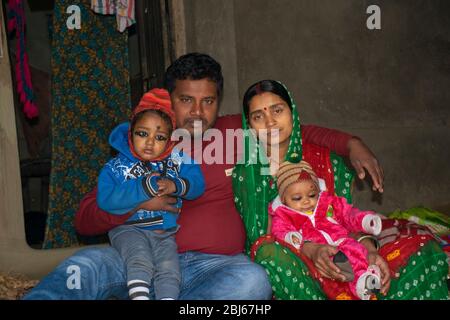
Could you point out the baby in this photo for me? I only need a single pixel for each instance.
(302, 212)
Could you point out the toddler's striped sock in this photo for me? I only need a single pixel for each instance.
(138, 290)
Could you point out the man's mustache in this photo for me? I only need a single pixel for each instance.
(191, 121)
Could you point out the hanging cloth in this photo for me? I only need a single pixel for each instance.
(91, 95)
(16, 22)
(123, 9)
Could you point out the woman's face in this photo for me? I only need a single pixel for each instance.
(268, 111)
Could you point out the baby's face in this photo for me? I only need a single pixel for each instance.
(150, 136)
(301, 196)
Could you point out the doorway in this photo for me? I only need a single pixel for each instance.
(148, 52)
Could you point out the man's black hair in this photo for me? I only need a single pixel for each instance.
(194, 66)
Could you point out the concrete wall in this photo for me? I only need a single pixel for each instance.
(210, 28)
(388, 86)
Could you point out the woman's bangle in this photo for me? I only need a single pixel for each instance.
(373, 238)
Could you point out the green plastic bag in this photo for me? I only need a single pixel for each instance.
(437, 222)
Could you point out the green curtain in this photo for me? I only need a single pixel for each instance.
(91, 94)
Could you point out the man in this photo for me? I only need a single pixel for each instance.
(211, 235)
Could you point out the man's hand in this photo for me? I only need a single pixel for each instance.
(362, 158)
(164, 203)
(321, 255)
(166, 187)
(376, 259)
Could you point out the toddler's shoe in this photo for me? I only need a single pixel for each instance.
(369, 282)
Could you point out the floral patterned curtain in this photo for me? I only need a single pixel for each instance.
(91, 94)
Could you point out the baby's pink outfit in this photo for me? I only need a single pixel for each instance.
(330, 223)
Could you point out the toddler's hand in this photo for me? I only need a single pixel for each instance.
(166, 187)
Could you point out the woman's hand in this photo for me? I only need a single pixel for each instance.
(321, 255)
(362, 158)
(376, 259)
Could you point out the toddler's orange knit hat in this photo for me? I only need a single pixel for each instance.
(155, 99)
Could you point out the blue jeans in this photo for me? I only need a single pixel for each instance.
(99, 273)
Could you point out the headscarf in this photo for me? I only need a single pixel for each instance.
(254, 191)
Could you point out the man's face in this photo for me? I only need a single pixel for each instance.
(195, 102)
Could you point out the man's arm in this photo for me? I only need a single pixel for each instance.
(90, 220)
(330, 138)
(361, 157)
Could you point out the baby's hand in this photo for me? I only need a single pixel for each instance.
(166, 187)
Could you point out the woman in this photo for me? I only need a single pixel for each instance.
(405, 260)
